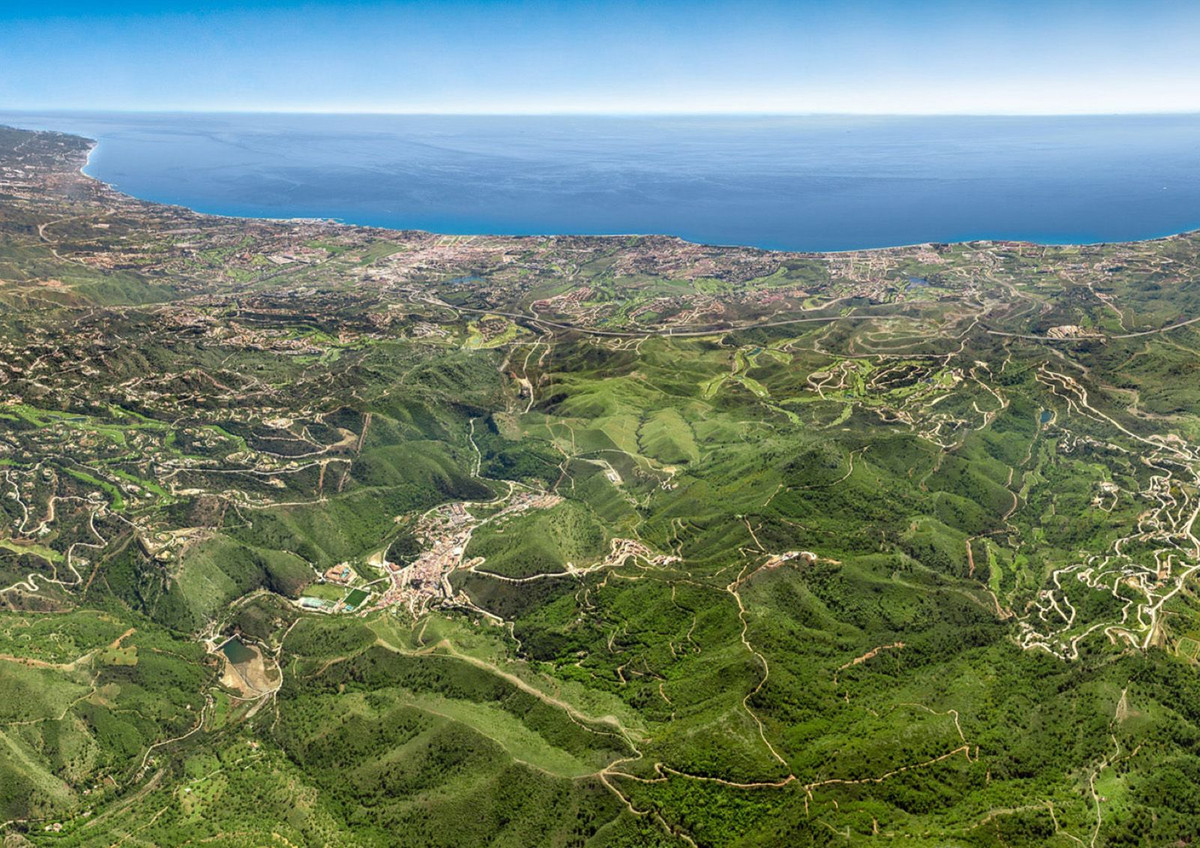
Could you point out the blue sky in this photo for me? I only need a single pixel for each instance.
(884, 56)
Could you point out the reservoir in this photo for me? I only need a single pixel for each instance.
(236, 651)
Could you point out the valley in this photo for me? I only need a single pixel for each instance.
(318, 534)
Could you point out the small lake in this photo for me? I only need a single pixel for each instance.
(237, 651)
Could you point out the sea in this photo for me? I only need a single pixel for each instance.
(814, 183)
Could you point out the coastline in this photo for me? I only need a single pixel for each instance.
(982, 240)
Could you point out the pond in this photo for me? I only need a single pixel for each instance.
(236, 651)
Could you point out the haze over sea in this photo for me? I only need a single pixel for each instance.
(796, 183)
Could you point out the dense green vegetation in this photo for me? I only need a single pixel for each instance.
(629, 542)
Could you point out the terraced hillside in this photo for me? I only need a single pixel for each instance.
(312, 534)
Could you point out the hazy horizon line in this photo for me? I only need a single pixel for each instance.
(593, 113)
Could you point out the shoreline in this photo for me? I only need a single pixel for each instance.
(95, 143)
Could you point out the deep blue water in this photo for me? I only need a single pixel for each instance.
(802, 183)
